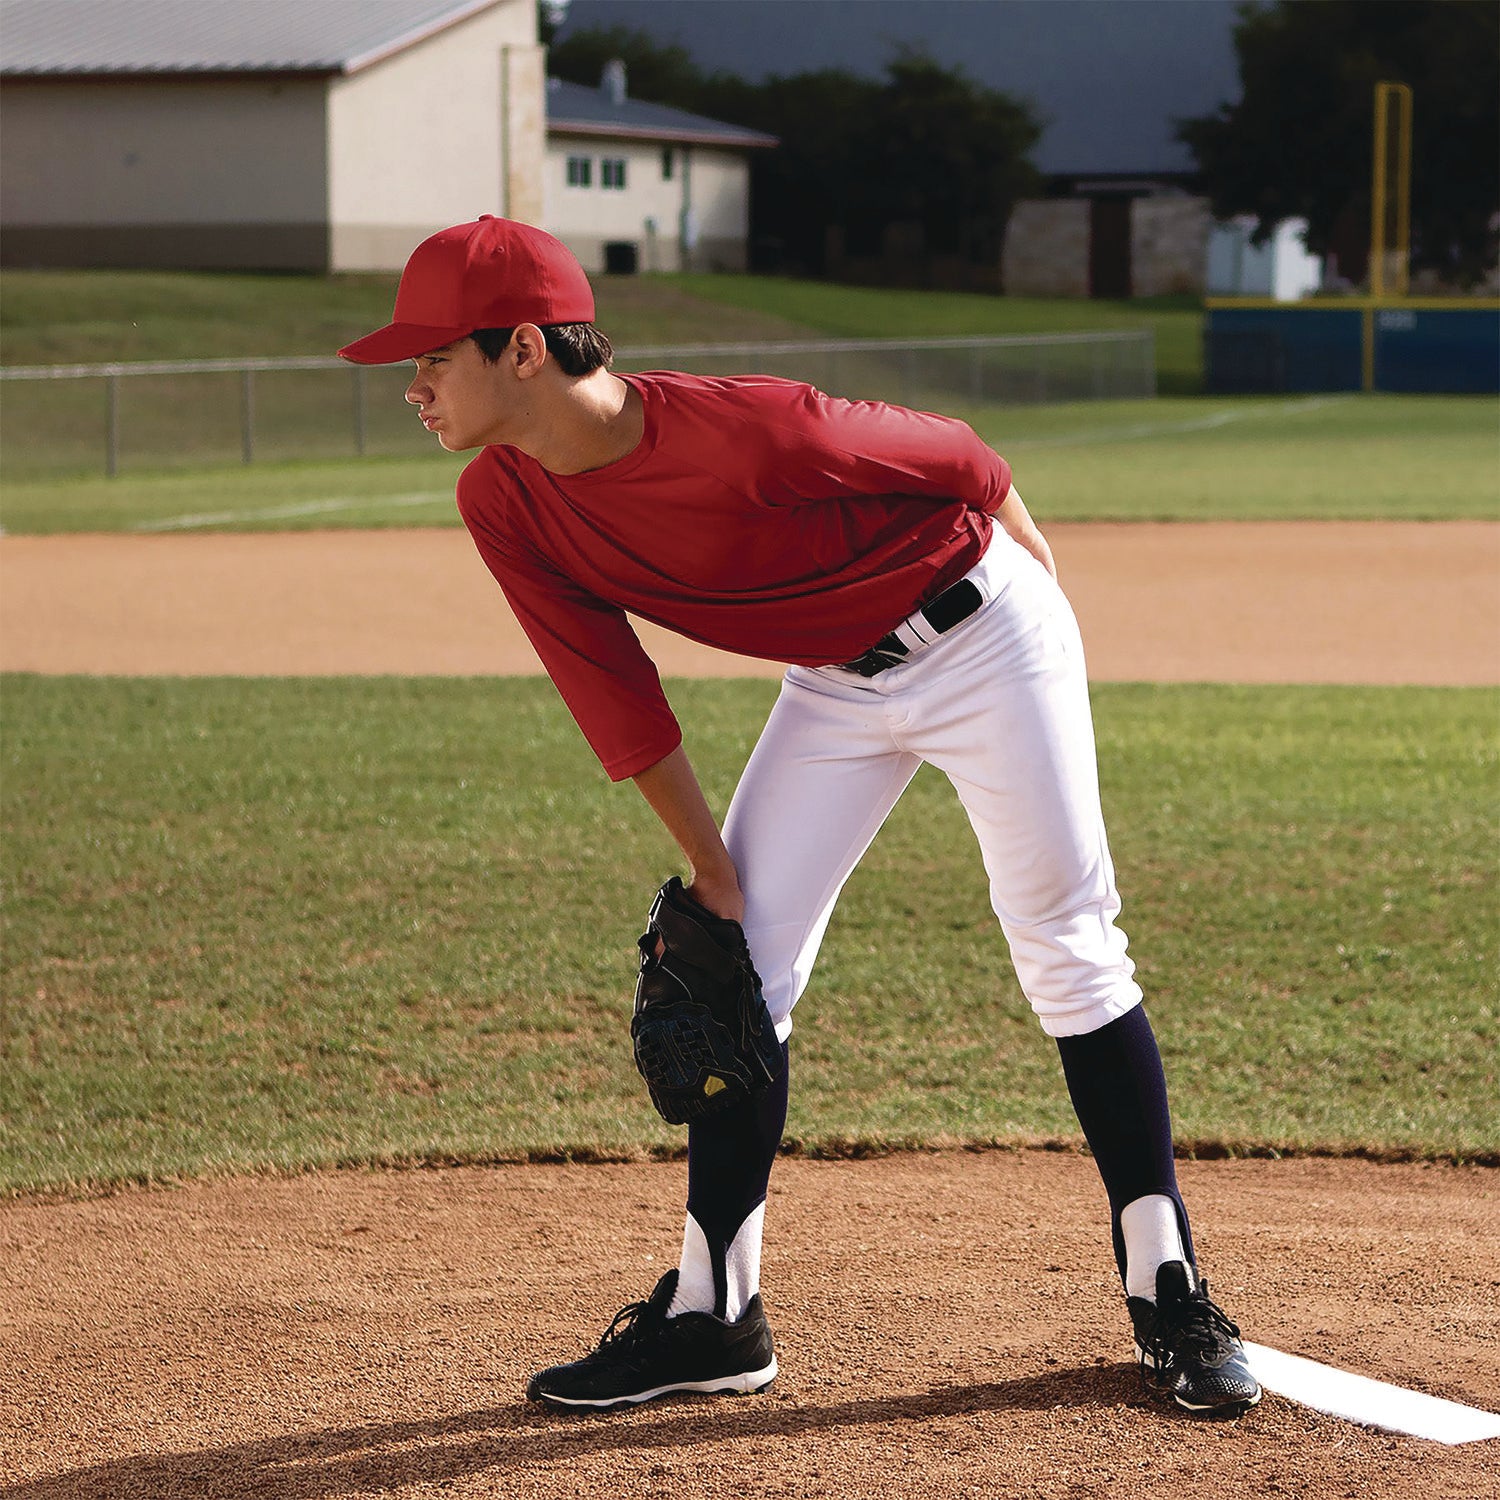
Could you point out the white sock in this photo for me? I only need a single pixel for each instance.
(696, 1291)
(1152, 1237)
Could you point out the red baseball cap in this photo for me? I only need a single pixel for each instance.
(493, 273)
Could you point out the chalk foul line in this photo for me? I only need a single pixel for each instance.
(1222, 418)
(283, 512)
(1372, 1403)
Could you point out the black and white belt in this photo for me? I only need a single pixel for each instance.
(938, 616)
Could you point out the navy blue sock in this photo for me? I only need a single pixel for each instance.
(1119, 1091)
(730, 1155)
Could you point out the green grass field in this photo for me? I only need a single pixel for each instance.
(280, 924)
(1179, 457)
(272, 925)
(1276, 458)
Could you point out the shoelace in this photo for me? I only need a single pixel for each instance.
(1201, 1324)
(626, 1325)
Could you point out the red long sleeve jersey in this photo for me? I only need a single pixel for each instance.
(756, 515)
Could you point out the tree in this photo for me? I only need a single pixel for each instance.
(925, 145)
(660, 73)
(1299, 142)
(818, 176)
(550, 16)
(949, 154)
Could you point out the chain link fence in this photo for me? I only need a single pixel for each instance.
(60, 419)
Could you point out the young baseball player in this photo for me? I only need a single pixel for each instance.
(886, 556)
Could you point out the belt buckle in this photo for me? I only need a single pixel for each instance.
(952, 607)
(873, 662)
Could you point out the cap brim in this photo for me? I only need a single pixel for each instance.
(398, 341)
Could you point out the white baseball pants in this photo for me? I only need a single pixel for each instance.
(1000, 705)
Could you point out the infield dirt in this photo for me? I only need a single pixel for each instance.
(948, 1324)
(1373, 602)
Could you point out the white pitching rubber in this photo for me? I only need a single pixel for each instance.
(1373, 1403)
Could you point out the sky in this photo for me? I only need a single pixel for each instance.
(1108, 76)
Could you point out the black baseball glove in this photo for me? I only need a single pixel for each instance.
(703, 1037)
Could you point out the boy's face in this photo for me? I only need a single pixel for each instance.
(464, 401)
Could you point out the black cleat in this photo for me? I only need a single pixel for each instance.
(1189, 1349)
(645, 1354)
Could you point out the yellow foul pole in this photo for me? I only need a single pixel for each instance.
(1390, 208)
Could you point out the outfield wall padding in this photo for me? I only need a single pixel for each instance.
(1415, 346)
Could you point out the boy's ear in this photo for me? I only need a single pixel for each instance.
(528, 346)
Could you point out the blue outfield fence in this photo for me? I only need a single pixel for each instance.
(177, 413)
(1410, 345)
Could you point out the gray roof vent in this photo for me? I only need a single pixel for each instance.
(612, 84)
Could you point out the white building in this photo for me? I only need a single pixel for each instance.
(1283, 268)
(263, 133)
(634, 186)
(291, 134)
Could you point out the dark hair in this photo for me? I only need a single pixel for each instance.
(578, 348)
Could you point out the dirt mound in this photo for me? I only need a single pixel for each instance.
(947, 1325)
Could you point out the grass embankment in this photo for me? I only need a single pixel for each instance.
(86, 317)
(274, 925)
(59, 430)
(873, 312)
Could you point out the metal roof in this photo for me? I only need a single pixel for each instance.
(103, 37)
(575, 109)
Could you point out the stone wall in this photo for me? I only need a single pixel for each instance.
(1047, 246)
(1168, 245)
(1046, 250)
